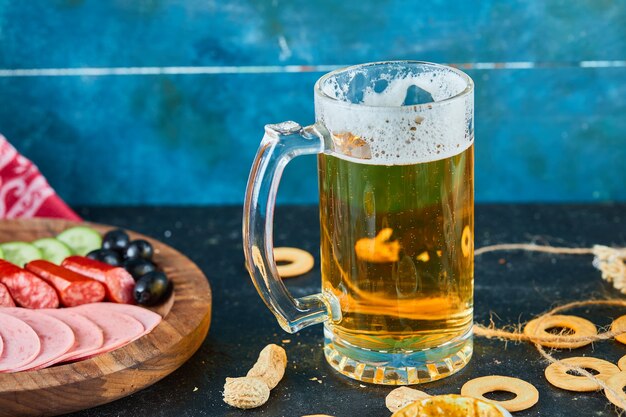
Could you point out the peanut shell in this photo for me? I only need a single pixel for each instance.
(401, 397)
(246, 392)
(270, 367)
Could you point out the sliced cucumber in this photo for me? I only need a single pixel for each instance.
(52, 250)
(20, 253)
(81, 239)
(1, 254)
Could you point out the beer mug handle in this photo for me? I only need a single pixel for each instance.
(281, 143)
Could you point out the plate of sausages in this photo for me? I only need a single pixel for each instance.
(73, 328)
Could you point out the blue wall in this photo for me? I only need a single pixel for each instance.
(550, 129)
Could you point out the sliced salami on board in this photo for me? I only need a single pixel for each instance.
(118, 329)
(74, 289)
(89, 336)
(118, 282)
(21, 343)
(78, 386)
(5, 297)
(56, 337)
(147, 318)
(27, 289)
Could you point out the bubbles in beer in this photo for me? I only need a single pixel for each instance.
(399, 115)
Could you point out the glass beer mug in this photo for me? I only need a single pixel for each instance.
(396, 161)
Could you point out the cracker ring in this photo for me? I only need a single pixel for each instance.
(526, 395)
(617, 383)
(300, 261)
(557, 375)
(619, 325)
(621, 364)
(582, 328)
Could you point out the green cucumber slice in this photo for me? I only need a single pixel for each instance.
(81, 239)
(20, 253)
(52, 250)
(1, 254)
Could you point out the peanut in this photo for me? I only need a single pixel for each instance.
(246, 392)
(253, 390)
(270, 367)
(403, 396)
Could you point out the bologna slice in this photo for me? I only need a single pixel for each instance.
(5, 297)
(118, 329)
(21, 343)
(89, 336)
(147, 318)
(74, 289)
(118, 282)
(55, 336)
(26, 289)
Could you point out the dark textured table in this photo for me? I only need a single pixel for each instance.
(513, 286)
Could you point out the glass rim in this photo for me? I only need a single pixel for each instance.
(469, 88)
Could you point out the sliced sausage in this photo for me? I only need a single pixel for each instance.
(21, 343)
(5, 297)
(73, 289)
(118, 282)
(27, 289)
(56, 337)
(89, 336)
(118, 329)
(147, 318)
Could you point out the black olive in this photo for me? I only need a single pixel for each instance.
(152, 288)
(139, 267)
(107, 256)
(115, 240)
(139, 249)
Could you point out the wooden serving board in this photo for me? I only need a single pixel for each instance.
(107, 377)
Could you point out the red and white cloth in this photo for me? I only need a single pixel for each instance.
(24, 192)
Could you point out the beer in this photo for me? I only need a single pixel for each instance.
(395, 145)
(417, 294)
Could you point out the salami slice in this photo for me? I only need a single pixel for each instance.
(55, 337)
(89, 336)
(5, 297)
(21, 343)
(119, 329)
(74, 289)
(118, 282)
(26, 289)
(147, 318)
(1, 346)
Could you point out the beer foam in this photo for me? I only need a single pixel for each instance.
(397, 134)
